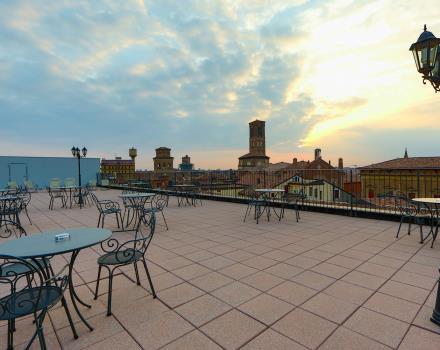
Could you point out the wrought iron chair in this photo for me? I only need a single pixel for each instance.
(410, 212)
(56, 194)
(107, 207)
(118, 254)
(131, 207)
(256, 202)
(10, 209)
(194, 195)
(158, 204)
(9, 228)
(292, 199)
(32, 293)
(25, 196)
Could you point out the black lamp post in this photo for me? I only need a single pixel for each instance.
(77, 153)
(427, 57)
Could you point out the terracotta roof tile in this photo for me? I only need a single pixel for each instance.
(407, 163)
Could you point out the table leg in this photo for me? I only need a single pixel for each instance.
(73, 296)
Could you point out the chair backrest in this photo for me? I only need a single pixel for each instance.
(69, 181)
(25, 196)
(105, 182)
(145, 231)
(55, 182)
(13, 185)
(9, 228)
(29, 185)
(11, 206)
(159, 201)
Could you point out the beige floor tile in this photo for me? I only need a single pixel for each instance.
(305, 328)
(272, 340)
(423, 319)
(415, 279)
(105, 327)
(237, 271)
(179, 294)
(119, 341)
(330, 270)
(191, 271)
(345, 339)
(364, 280)
(283, 270)
(405, 291)
(202, 310)
(236, 293)
(344, 261)
(200, 255)
(302, 261)
(329, 307)
(217, 262)
(291, 292)
(262, 280)
(418, 338)
(377, 270)
(165, 280)
(192, 341)
(160, 330)
(391, 306)
(232, 329)
(379, 327)
(260, 262)
(211, 281)
(348, 292)
(266, 308)
(313, 280)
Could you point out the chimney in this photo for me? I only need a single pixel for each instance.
(295, 161)
(340, 163)
(329, 162)
(317, 153)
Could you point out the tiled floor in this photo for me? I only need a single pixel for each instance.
(327, 282)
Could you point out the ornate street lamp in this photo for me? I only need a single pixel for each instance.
(76, 152)
(427, 57)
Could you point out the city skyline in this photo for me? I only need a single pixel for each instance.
(335, 75)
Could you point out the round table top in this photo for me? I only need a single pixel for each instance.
(427, 200)
(44, 244)
(136, 195)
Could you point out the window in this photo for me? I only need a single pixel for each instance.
(310, 191)
(260, 132)
(320, 195)
(370, 193)
(411, 195)
(316, 193)
(336, 193)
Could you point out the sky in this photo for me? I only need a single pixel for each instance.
(191, 75)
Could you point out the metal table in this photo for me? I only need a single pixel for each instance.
(433, 207)
(43, 244)
(270, 194)
(137, 202)
(183, 196)
(65, 188)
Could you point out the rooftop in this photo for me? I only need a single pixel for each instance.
(406, 163)
(327, 282)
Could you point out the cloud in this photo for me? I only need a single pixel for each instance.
(192, 74)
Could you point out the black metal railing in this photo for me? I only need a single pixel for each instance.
(349, 190)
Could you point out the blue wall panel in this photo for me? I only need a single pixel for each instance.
(41, 169)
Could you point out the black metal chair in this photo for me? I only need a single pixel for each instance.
(409, 212)
(107, 207)
(56, 194)
(9, 228)
(132, 207)
(118, 254)
(158, 204)
(10, 209)
(293, 200)
(256, 202)
(194, 195)
(32, 293)
(25, 196)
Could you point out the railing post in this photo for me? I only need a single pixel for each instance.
(351, 196)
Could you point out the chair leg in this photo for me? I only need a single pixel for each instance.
(149, 278)
(400, 225)
(99, 219)
(102, 222)
(97, 282)
(138, 282)
(10, 336)
(69, 317)
(27, 214)
(110, 287)
(164, 220)
(39, 323)
(117, 220)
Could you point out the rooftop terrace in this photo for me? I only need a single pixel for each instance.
(327, 282)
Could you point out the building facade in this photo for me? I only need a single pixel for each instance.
(118, 169)
(256, 158)
(40, 170)
(186, 163)
(163, 160)
(409, 176)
